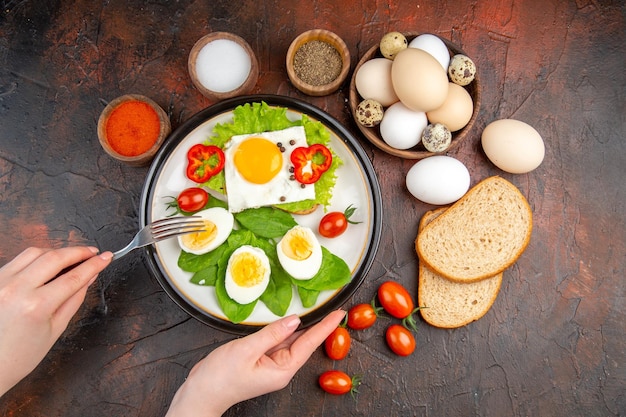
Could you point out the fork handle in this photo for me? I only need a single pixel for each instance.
(124, 251)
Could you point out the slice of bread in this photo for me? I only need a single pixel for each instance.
(450, 304)
(480, 235)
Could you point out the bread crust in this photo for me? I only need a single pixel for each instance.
(444, 225)
(445, 302)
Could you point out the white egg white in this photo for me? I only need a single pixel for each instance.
(243, 194)
(198, 243)
(301, 269)
(256, 265)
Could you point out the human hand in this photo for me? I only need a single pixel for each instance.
(35, 308)
(244, 368)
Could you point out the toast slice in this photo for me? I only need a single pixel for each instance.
(480, 235)
(450, 304)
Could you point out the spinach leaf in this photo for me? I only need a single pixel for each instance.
(308, 297)
(194, 263)
(234, 311)
(207, 276)
(266, 222)
(334, 273)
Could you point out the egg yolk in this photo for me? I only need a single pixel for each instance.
(247, 270)
(258, 160)
(199, 240)
(297, 245)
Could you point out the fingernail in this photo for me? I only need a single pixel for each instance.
(93, 249)
(292, 322)
(106, 256)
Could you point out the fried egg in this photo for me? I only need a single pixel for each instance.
(300, 253)
(257, 169)
(247, 274)
(218, 223)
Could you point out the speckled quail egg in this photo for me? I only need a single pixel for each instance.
(247, 274)
(218, 223)
(392, 43)
(436, 137)
(300, 253)
(461, 70)
(369, 113)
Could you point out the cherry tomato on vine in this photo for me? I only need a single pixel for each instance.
(362, 316)
(338, 383)
(337, 344)
(335, 223)
(397, 301)
(190, 200)
(400, 340)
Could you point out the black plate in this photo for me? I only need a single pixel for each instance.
(351, 143)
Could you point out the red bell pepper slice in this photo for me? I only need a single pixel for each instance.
(204, 162)
(310, 163)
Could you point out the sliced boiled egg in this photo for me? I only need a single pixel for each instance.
(247, 274)
(300, 253)
(218, 223)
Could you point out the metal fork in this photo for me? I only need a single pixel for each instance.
(160, 230)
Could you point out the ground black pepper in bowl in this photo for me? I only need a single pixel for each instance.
(317, 63)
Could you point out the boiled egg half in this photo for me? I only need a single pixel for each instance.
(247, 274)
(218, 223)
(300, 253)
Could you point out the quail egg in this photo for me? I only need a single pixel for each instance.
(436, 137)
(461, 70)
(392, 43)
(369, 113)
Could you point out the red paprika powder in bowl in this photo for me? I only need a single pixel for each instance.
(132, 128)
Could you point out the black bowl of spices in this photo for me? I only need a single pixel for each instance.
(318, 62)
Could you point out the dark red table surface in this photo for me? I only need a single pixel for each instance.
(554, 341)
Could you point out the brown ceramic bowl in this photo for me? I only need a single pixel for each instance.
(145, 157)
(418, 151)
(324, 36)
(243, 89)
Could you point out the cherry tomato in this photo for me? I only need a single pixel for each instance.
(400, 340)
(335, 223)
(337, 344)
(338, 383)
(192, 199)
(362, 316)
(395, 299)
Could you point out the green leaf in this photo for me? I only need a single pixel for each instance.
(207, 276)
(308, 297)
(266, 222)
(234, 311)
(194, 263)
(334, 273)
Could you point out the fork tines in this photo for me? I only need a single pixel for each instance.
(172, 226)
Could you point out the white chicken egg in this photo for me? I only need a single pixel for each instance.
(401, 127)
(257, 169)
(218, 223)
(300, 253)
(247, 274)
(434, 46)
(438, 180)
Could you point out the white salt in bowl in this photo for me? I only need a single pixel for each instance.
(222, 65)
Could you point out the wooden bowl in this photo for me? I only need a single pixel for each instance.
(145, 157)
(244, 88)
(324, 36)
(418, 151)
